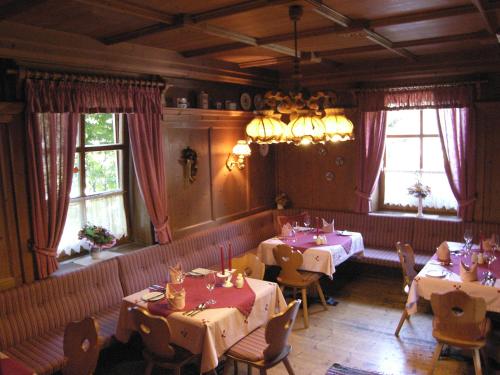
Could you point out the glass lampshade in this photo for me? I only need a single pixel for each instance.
(265, 128)
(306, 128)
(241, 148)
(337, 127)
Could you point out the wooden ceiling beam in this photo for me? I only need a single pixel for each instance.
(213, 49)
(488, 18)
(387, 44)
(132, 9)
(134, 34)
(15, 7)
(307, 58)
(330, 13)
(231, 10)
(479, 35)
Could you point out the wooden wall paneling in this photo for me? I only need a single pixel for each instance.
(188, 203)
(230, 197)
(262, 178)
(488, 162)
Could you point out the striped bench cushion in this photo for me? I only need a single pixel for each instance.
(389, 258)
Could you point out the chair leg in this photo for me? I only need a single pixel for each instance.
(288, 366)
(404, 316)
(486, 360)
(263, 371)
(149, 368)
(435, 356)
(249, 369)
(477, 362)
(235, 367)
(304, 307)
(321, 295)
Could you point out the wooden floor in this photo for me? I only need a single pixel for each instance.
(359, 331)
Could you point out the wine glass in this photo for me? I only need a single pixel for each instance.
(492, 256)
(468, 239)
(307, 221)
(210, 280)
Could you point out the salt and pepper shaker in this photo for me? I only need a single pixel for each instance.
(239, 281)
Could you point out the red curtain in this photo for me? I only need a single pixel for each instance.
(371, 141)
(53, 112)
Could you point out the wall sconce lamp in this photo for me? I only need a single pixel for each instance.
(237, 157)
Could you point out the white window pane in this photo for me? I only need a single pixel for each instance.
(75, 183)
(101, 129)
(102, 172)
(74, 222)
(433, 155)
(430, 122)
(108, 212)
(403, 154)
(403, 122)
(396, 188)
(441, 195)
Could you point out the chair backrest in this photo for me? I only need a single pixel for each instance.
(81, 347)
(283, 219)
(154, 331)
(458, 315)
(289, 261)
(249, 265)
(278, 329)
(407, 260)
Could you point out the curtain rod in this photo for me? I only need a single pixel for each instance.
(423, 86)
(23, 73)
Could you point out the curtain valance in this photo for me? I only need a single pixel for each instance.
(52, 96)
(437, 97)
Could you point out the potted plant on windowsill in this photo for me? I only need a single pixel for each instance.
(282, 201)
(420, 191)
(98, 237)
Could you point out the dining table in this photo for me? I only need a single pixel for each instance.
(323, 258)
(212, 330)
(439, 277)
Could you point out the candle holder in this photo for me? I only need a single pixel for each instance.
(227, 275)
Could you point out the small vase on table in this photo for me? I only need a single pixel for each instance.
(95, 252)
(420, 212)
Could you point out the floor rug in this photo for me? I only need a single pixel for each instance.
(338, 369)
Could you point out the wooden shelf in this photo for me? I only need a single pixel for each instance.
(204, 115)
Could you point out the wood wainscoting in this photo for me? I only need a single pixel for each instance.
(217, 195)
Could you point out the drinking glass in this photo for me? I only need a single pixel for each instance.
(468, 239)
(307, 221)
(210, 280)
(492, 256)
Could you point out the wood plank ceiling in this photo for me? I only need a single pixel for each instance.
(333, 34)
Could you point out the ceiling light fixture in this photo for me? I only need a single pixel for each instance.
(306, 125)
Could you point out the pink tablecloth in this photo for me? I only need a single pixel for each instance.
(196, 293)
(481, 268)
(306, 240)
(8, 366)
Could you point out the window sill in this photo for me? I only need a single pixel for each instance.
(71, 265)
(414, 215)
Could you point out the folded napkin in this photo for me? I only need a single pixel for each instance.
(176, 298)
(287, 230)
(468, 273)
(328, 228)
(176, 275)
(443, 252)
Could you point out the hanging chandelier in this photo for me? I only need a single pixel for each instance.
(308, 124)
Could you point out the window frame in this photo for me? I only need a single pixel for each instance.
(123, 170)
(381, 184)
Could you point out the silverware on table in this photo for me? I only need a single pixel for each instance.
(193, 310)
(203, 307)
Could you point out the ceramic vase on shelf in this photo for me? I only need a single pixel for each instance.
(95, 252)
(420, 212)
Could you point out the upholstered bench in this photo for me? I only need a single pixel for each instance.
(33, 316)
(381, 232)
(149, 266)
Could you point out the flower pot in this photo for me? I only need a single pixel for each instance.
(95, 252)
(420, 208)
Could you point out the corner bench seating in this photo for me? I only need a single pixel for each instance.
(381, 232)
(33, 316)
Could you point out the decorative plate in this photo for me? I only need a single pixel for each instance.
(258, 102)
(435, 273)
(152, 296)
(339, 161)
(246, 101)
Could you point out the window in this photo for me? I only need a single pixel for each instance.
(413, 150)
(97, 191)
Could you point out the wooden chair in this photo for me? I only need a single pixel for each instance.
(158, 351)
(249, 265)
(289, 261)
(407, 260)
(81, 347)
(267, 346)
(460, 320)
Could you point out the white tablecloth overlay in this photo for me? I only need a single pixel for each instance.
(321, 259)
(423, 286)
(213, 331)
